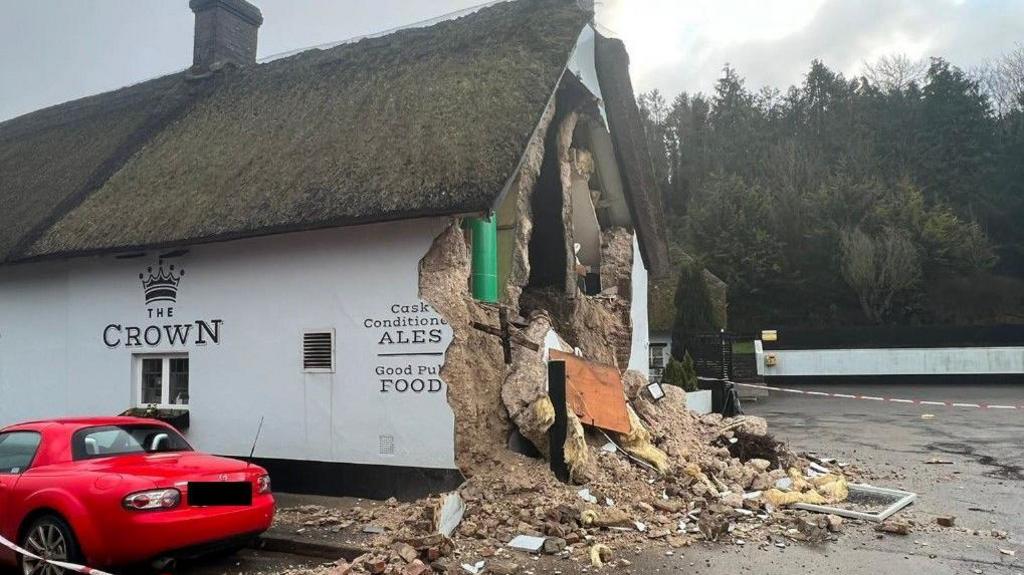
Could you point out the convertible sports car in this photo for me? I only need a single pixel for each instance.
(121, 491)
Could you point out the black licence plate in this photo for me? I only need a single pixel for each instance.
(221, 493)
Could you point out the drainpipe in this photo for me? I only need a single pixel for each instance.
(484, 238)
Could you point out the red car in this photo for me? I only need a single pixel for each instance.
(121, 491)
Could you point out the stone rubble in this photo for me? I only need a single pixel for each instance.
(704, 494)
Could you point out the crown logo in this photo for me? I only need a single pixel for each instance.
(163, 285)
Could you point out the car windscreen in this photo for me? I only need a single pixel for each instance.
(130, 439)
(17, 450)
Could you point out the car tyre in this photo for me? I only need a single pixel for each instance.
(51, 537)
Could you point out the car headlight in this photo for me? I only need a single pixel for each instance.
(153, 500)
(263, 484)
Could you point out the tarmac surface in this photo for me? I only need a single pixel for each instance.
(983, 488)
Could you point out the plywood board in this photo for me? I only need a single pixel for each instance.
(594, 392)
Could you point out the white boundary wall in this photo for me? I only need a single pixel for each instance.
(903, 361)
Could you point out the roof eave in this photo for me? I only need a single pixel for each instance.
(633, 155)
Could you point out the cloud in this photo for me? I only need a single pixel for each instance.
(677, 46)
(58, 50)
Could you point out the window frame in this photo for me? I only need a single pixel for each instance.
(165, 379)
(35, 453)
(660, 347)
(334, 351)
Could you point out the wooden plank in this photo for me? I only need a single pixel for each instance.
(595, 393)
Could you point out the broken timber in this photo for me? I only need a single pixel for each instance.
(506, 334)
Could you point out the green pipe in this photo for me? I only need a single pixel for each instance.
(484, 238)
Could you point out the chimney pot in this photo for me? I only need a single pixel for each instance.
(226, 32)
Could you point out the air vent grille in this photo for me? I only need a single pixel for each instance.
(318, 351)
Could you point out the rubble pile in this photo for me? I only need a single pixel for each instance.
(698, 492)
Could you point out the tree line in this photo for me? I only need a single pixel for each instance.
(893, 197)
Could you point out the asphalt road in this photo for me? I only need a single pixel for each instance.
(983, 488)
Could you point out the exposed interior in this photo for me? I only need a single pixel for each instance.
(565, 264)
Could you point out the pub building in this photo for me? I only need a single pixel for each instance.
(299, 239)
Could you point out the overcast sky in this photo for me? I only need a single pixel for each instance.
(56, 50)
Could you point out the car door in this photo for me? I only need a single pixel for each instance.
(17, 450)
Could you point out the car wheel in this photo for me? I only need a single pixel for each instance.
(49, 537)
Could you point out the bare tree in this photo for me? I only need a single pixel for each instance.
(879, 269)
(1003, 80)
(895, 72)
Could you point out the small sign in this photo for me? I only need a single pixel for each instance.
(656, 391)
(769, 335)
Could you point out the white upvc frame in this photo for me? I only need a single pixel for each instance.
(165, 379)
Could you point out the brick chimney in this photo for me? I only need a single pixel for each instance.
(225, 33)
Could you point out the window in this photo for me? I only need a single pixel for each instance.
(17, 450)
(318, 351)
(162, 380)
(109, 440)
(658, 356)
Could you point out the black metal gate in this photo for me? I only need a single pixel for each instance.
(712, 354)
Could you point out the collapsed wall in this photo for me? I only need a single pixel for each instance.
(491, 400)
(672, 478)
(474, 368)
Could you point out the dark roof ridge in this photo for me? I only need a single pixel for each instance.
(84, 107)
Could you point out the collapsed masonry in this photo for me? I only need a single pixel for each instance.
(565, 267)
(566, 271)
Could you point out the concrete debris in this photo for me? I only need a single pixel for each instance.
(893, 527)
(499, 567)
(407, 552)
(527, 543)
(450, 514)
(554, 545)
(809, 528)
(945, 520)
(835, 523)
(417, 567)
(713, 525)
(524, 392)
(688, 488)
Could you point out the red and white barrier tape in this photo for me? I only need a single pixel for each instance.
(62, 564)
(872, 397)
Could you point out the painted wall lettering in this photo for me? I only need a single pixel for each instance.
(411, 339)
(200, 332)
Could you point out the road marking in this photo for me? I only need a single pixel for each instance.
(869, 397)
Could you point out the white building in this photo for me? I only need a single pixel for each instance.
(243, 241)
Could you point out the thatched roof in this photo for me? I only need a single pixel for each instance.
(422, 122)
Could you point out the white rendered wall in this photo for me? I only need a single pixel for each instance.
(915, 361)
(639, 360)
(54, 361)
